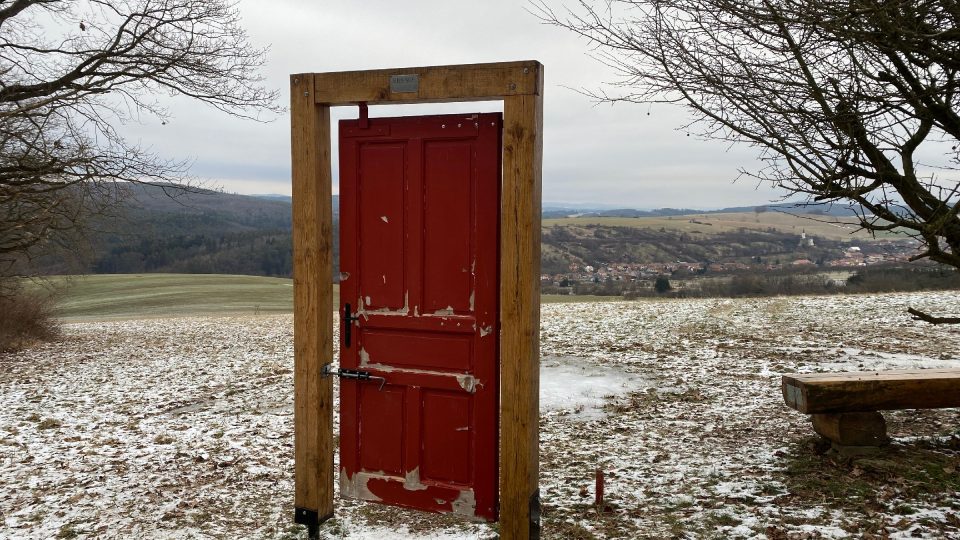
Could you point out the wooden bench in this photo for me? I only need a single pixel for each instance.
(845, 406)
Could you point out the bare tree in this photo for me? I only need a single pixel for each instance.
(72, 71)
(847, 101)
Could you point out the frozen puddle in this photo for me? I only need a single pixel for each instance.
(572, 383)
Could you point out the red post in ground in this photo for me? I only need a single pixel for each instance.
(599, 491)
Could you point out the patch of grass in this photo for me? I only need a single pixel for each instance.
(652, 398)
(675, 524)
(130, 296)
(922, 471)
(67, 531)
(163, 439)
(768, 488)
(296, 531)
(199, 518)
(48, 423)
(571, 298)
(905, 509)
(566, 529)
(722, 519)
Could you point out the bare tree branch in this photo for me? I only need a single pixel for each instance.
(921, 316)
(837, 96)
(70, 72)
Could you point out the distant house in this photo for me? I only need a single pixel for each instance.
(803, 262)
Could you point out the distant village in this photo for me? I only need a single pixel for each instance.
(848, 258)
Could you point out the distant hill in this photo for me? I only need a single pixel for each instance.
(199, 232)
(222, 211)
(552, 212)
(203, 232)
(273, 197)
(165, 229)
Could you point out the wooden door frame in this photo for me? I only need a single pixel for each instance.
(520, 86)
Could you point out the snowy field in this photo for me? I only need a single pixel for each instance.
(182, 428)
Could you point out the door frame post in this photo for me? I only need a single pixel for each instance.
(312, 304)
(520, 86)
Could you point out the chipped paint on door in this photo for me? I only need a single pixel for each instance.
(419, 237)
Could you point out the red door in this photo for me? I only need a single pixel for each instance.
(419, 237)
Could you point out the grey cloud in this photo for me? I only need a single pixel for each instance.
(590, 151)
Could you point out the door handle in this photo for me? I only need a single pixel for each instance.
(347, 324)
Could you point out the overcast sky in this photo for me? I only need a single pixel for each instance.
(614, 155)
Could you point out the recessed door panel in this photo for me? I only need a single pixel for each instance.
(381, 429)
(448, 227)
(422, 350)
(380, 184)
(446, 437)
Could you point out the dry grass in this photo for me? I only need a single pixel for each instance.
(26, 317)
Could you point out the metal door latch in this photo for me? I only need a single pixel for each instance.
(355, 374)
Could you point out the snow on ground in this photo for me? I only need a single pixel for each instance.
(182, 428)
(569, 384)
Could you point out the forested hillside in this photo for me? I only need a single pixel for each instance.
(164, 230)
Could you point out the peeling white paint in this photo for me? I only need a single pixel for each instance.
(465, 504)
(467, 382)
(384, 219)
(464, 428)
(361, 310)
(486, 331)
(404, 311)
(384, 279)
(356, 487)
(411, 482)
(367, 299)
(445, 311)
(473, 294)
(344, 276)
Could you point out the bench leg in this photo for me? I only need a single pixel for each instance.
(852, 431)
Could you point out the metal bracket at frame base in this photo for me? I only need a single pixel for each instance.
(311, 519)
(535, 515)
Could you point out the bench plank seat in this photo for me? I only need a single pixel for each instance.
(865, 391)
